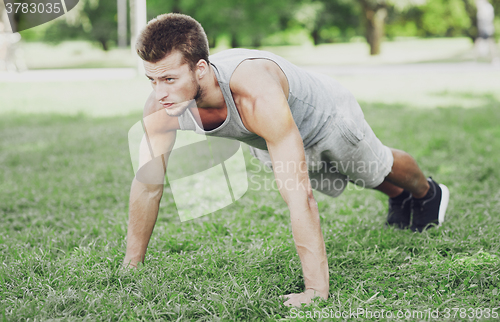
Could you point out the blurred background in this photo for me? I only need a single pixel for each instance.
(96, 33)
(387, 51)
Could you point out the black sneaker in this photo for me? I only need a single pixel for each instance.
(399, 211)
(430, 210)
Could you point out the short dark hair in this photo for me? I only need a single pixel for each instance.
(173, 31)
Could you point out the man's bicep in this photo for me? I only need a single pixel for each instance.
(152, 167)
(265, 111)
(261, 101)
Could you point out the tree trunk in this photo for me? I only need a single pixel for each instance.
(375, 28)
(256, 41)
(315, 36)
(471, 10)
(234, 41)
(375, 14)
(104, 44)
(212, 41)
(176, 6)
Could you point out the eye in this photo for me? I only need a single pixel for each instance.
(170, 80)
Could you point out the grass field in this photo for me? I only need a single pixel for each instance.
(63, 202)
(64, 184)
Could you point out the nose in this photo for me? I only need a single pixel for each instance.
(161, 92)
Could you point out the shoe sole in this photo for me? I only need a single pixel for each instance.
(445, 198)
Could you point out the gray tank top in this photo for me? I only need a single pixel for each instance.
(314, 100)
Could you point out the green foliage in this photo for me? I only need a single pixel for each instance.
(278, 22)
(294, 36)
(247, 22)
(329, 20)
(441, 18)
(93, 20)
(102, 16)
(445, 18)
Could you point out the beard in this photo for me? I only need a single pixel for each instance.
(199, 94)
(178, 109)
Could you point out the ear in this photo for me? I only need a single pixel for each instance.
(201, 68)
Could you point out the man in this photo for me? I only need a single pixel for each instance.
(284, 114)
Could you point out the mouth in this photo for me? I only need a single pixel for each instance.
(167, 105)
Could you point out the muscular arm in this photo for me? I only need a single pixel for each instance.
(147, 186)
(265, 111)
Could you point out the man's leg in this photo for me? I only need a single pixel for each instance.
(359, 155)
(405, 174)
(409, 191)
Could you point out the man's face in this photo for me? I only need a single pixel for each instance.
(174, 83)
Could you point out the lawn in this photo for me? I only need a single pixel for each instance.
(64, 184)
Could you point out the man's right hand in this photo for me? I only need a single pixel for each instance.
(129, 264)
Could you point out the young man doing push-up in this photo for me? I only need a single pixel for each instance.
(287, 116)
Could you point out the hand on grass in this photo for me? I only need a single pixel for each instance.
(296, 299)
(129, 264)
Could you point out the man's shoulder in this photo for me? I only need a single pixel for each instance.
(235, 56)
(236, 52)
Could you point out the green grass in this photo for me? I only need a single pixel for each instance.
(65, 176)
(64, 184)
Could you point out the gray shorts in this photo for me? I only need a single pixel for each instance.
(349, 152)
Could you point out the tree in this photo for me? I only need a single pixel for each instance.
(445, 18)
(375, 13)
(246, 22)
(102, 16)
(94, 20)
(441, 18)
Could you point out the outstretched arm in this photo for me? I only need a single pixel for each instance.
(145, 195)
(261, 101)
(147, 186)
(143, 211)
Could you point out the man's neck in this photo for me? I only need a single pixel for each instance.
(212, 97)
